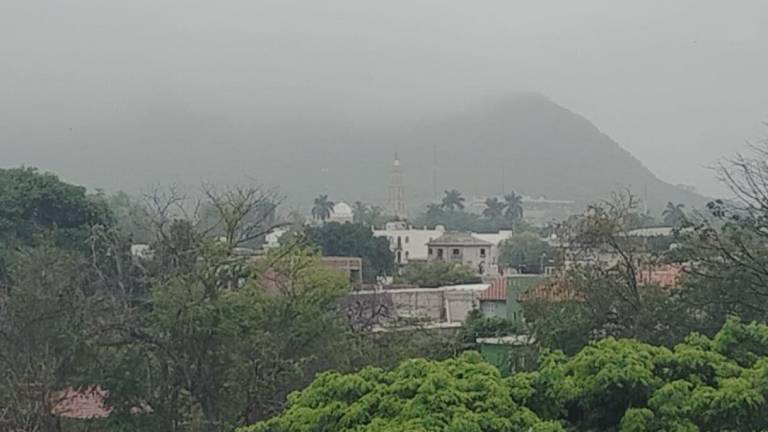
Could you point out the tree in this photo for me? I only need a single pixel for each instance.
(673, 214)
(724, 247)
(526, 251)
(243, 215)
(225, 342)
(494, 209)
(623, 385)
(323, 208)
(355, 240)
(463, 394)
(36, 208)
(514, 208)
(453, 200)
(437, 274)
(360, 212)
(50, 318)
(601, 289)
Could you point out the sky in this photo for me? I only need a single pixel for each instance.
(679, 83)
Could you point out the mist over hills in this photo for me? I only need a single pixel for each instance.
(522, 142)
(525, 143)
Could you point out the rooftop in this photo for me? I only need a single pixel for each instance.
(454, 238)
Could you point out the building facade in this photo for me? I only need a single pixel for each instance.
(462, 248)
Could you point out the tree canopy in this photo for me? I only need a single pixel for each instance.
(701, 384)
(355, 240)
(438, 273)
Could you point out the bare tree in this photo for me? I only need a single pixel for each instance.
(243, 213)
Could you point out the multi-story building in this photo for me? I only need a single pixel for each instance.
(464, 248)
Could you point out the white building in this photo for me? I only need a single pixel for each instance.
(410, 244)
(406, 242)
(342, 213)
(461, 247)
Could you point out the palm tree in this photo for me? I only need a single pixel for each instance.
(374, 215)
(673, 214)
(514, 207)
(323, 208)
(453, 200)
(360, 212)
(494, 208)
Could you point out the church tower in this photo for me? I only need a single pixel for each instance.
(396, 195)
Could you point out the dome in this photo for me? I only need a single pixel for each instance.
(341, 210)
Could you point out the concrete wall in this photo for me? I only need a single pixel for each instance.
(449, 304)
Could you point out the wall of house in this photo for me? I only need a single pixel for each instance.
(516, 285)
(412, 243)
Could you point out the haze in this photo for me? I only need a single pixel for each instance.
(88, 89)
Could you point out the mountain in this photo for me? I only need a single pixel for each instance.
(525, 143)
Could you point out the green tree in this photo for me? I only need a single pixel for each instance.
(455, 395)
(437, 274)
(623, 385)
(322, 208)
(360, 212)
(494, 209)
(50, 318)
(673, 214)
(36, 208)
(526, 251)
(355, 240)
(226, 341)
(514, 208)
(453, 200)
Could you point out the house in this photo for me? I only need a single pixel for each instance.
(463, 248)
(502, 298)
(407, 243)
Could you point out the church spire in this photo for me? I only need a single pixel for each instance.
(396, 195)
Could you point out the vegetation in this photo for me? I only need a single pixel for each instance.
(369, 215)
(355, 240)
(437, 274)
(322, 208)
(477, 325)
(611, 385)
(526, 252)
(463, 394)
(497, 214)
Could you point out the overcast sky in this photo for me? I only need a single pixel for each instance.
(679, 83)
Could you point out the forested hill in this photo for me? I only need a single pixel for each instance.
(526, 143)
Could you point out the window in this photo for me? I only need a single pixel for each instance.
(406, 255)
(482, 252)
(429, 252)
(440, 254)
(456, 252)
(399, 257)
(406, 239)
(399, 242)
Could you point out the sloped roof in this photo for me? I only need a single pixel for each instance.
(497, 290)
(455, 238)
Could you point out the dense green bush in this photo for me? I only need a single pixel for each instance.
(702, 384)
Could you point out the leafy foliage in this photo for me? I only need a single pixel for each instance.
(526, 251)
(478, 326)
(355, 240)
(623, 385)
(36, 208)
(462, 394)
(438, 273)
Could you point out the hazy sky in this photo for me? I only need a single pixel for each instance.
(678, 83)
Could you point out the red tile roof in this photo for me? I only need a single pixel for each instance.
(497, 290)
(84, 404)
